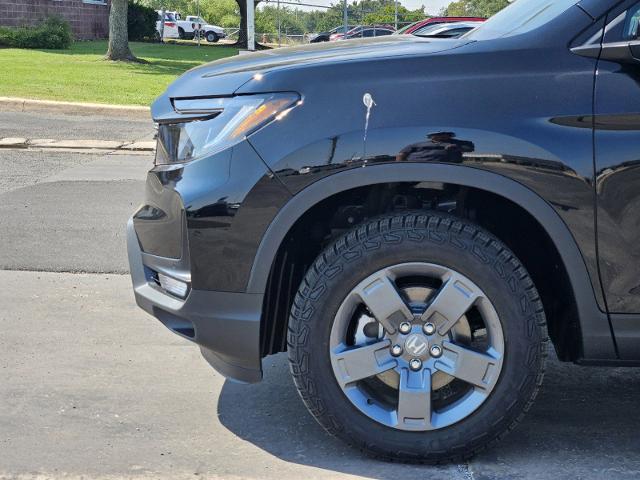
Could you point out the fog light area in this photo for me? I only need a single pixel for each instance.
(173, 286)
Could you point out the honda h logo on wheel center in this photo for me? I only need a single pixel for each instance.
(416, 344)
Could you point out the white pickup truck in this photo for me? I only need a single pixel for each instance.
(188, 27)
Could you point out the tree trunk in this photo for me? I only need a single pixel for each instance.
(118, 33)
(242, 33)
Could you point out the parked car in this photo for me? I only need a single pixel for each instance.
(357, 32)
(340, 34)
(367, 32)
(446, 30)
(170, 27)
(475, 201)
(413, 27)
(325, 36)
(188, 27)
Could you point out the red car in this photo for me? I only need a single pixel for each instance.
(409, 29)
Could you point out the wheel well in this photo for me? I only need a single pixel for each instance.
(335, 215)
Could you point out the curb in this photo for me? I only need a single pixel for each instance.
(43, 144)
(16, 104)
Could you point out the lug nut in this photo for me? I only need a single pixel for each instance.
(415, 364)
(405, 327)
(436, 351)
(429, 328)
(396, 350)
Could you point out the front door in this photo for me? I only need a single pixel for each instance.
(617, 162)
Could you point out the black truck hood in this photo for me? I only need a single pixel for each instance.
(226, 76)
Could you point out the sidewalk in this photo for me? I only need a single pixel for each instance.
(78, 146)
(17, 104)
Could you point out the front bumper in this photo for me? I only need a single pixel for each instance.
(226, 325)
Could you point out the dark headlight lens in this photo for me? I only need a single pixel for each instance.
(224, 122)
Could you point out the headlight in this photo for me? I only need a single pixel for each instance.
(217, 123)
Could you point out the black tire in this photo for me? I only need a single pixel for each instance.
(419, 237)
(181, 34)
(212, 37)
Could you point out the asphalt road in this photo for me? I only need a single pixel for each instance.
(92, 387)
(73, 219)
(68, 127)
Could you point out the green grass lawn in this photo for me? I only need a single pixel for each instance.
(81, 75)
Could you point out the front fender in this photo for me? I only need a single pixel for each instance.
(596, 335)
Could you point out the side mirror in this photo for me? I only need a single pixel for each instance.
(619, 52)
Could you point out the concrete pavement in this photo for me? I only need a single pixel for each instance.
(77, 145)
(72, 219)
(92, 387)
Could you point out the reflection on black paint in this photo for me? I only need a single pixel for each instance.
(439, 147)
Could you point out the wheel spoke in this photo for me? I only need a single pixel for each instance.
(414, 400)
(383, 300)
(476, 368)
(355, 364)
(453, 300)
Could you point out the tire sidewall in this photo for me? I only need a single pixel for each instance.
(469, 251)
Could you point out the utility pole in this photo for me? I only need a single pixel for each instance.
(346, 20)
(396, 15)
(251, 26)
(279, 25)
(199, 23)
(162, 25)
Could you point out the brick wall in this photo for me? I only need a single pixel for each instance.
(87, 20)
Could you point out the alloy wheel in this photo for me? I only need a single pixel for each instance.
(416, 346)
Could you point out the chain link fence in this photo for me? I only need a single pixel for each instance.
(272, 39)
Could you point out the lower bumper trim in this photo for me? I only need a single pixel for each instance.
(230, 371)
(226, 325)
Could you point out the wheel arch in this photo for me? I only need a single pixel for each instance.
(595, 341)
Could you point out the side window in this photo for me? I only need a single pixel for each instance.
(631, 23)
(624, 26)
(456, 32)
(426, 29)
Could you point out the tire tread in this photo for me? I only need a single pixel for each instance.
(432, 227)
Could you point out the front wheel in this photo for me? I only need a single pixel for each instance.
(418, 337)
(211, 37)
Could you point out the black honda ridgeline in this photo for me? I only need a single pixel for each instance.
(410, 219)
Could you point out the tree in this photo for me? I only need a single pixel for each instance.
(242, 33)
(119, 33)
(268, 18)
(474, 8)
(386, 15)
(224, 13)
(233, 13)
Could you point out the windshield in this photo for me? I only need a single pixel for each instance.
(520, 17)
